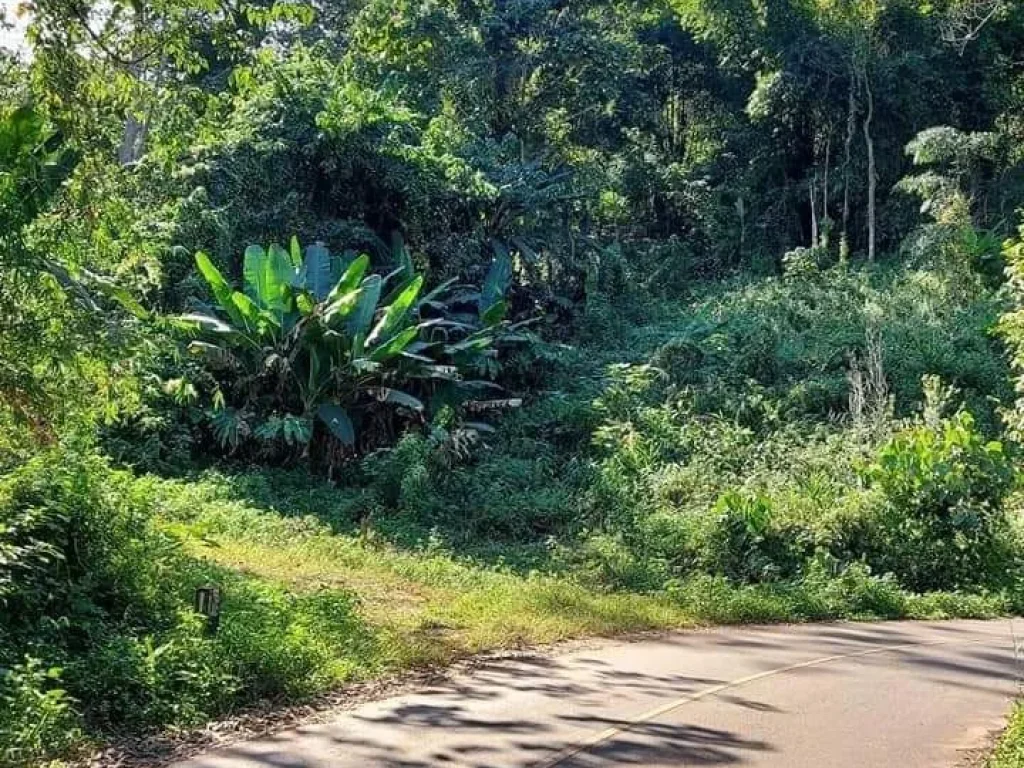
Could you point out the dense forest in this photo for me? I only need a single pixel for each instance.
(423, 327)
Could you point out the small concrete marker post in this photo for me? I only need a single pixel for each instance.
(207, 603)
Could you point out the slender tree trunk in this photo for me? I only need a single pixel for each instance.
(741, 211)
(136, 129)
(826, 223)
(851, 115)
(813, 186)
(133, 140)
(872, 177)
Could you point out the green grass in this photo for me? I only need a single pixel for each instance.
(1009, 752)
(430, 606)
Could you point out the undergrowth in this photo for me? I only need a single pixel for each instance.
(1009, 751)
(773, 450)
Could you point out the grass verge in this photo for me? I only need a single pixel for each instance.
(1009, 752)
(428, 606)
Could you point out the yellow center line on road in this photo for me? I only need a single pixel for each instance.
(664, 709)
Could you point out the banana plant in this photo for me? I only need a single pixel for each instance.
(479, 326)
(312, 337)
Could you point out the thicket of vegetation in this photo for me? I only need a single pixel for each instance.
(424, 328)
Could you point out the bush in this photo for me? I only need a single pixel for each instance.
(305, 361)
(97, 631)
(75, 541)
(941, 524)
(746, 541)
(39, 718)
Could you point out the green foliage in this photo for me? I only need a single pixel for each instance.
(724, 417)
(121, 647)
(315, 341)
(1011, 327)
(1009, 751)
(745, 543)
(804, 262)
(942, 520)
(39, 718)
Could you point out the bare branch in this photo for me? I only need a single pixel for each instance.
(965, 21)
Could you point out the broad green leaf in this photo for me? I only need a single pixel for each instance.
(341, 307)
(247, 308)
(295, 252)
(403, 261)
(358, 344)
(351, 278)
(279, 282)
(316, 274)
(337, 420)
(395, 345)
(396, 312)
(498, 279)
(495, 313)
(253, 270)
(268, 277)
(221, 290)
(362, 314)
(397, 397)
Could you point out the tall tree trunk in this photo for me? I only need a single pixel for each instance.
(813, 185)
(851, 115)
(826, 222)
(872, 177)
(741, 211)
(133, 140)
(136, 128)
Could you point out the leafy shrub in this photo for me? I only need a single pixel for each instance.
(942, 523)
(805, 262)
(315, 341)
(38, 716)
(72, 537)
(97, 631)
(1011, 327)
(745, 541)
(775, 350)
(79, 562)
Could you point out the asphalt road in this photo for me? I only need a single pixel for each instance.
(903, 695)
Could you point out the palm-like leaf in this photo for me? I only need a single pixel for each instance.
(395, 345)
(317, 272)
(396, 312)
(498, 280)
(337, 420)
(351, 278)
(359, 319)
(221, 290)
(268, 278)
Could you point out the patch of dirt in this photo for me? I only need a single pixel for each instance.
(977, 756)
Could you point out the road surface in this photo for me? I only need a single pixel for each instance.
(903, 695)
